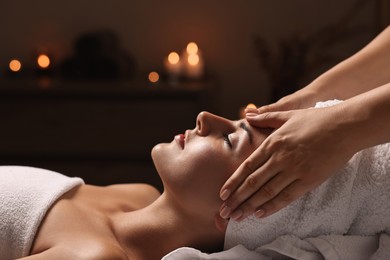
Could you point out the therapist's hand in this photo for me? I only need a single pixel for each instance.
(306, 148)
(300, 99)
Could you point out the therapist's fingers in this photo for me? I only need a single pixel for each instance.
(268, 192)
(256, 159)
(268, 120)
(270, 108)
(250, 185)
(298, 100)
(282, 105)
(251, 110)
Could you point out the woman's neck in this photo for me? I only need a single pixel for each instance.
(161, 227)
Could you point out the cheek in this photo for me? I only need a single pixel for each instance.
(207, 166)
(200, 169)
(200, 162)
(204, 156)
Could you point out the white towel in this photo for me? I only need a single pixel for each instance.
(26, 194)
(345, 216)
(332, 247)
(355, 201)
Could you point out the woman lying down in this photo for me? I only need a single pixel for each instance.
(45, 215)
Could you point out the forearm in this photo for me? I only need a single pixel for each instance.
(366, 118)
(367, 69)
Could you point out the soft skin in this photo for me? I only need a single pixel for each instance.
(134, 221)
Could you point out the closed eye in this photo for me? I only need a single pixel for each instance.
(227, 140)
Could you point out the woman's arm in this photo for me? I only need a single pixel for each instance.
(366, 70)
(369, 114)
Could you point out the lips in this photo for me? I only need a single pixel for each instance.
(180, 139)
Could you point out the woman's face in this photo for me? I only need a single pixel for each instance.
(194, 166)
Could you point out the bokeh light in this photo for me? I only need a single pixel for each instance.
(192, 48)
(153, 77)
(193, 59)
(15, 65)
(173, 58)
(43, 61)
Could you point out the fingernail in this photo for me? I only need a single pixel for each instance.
(259, 213)
(251, 110)
(236, 215)
(225, 194)
(251, 114)
(225, 212)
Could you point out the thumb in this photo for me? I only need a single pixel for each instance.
(268, 120)
(274, 107)
(267, 108)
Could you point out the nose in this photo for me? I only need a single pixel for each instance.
(202, 128)
(207, 122)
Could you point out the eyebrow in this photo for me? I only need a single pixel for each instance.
(245, 127)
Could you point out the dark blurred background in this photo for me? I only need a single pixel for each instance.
(94, 113)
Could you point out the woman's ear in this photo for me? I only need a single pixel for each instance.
(220, 223)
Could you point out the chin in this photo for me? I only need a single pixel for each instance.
(156, 154)
(155, 150)
(162, 160)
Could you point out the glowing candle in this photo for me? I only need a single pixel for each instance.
(43, 61)
(193, 59)
(173, 65)
(192, 48)
(194, 62)
(173, 58)
(153, 77)
(15, 65)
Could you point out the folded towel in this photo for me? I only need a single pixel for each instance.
(26, 194)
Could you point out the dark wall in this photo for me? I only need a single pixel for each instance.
(150, 29)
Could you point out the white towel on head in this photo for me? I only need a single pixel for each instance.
(26, 194)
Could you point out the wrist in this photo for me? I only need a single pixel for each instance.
(366, 118)
(318, 90)
(350, 126)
